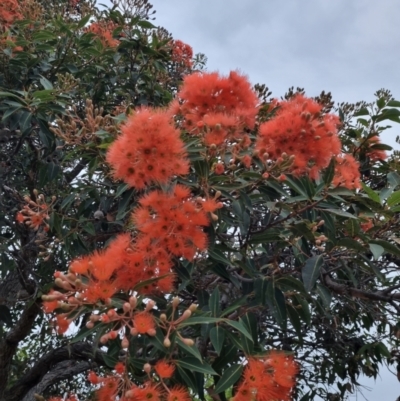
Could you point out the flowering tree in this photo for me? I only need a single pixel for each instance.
(173, 234)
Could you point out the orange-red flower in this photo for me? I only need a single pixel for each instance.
(272, 378)
(347, 173)
(9, 12)
(172, 222)
(182, 53)
(164, 369)
(373, 153)
(149, 393)
(300, 129)
(178, 393)
(218, 108)
(149, 150)
(103, 30)
(143, 322)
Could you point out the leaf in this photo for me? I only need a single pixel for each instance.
(187, 377)
(371, 193)
(311, 271)
(214, 303)
(200, 320)
(341, 213)
(218, 256)
(193, 350)
(351, 244)
(329, 172)
(394, 199)
(194, 365)
(260, 289)
(294, 318)
(46, 83)
(217, 337)
(393, 249)
(376, 250)
(230, 377)
(239, 327)
(325, 295)
(276, 304)
(393, 178)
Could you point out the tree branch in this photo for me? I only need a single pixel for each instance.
(9, 344)
(63, 370)
(35, 376)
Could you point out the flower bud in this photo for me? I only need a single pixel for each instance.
(150, 305)
(104, 338)
(126, 307)
(175, 302)
(167, 342)
(125, 343)
(188, 341)
(163, 317)
(151, 332)
(89, 325)
(134, 331)
(133, 302)
(193, 307)
(147, 368)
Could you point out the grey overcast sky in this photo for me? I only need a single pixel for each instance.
(348, 47)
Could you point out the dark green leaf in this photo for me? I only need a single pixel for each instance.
(230, 377)
(311, 271)
(192, 364)
(217, 337)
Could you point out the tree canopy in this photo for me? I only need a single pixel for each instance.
(171, 233)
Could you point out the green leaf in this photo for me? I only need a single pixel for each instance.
(393, 199)
(260, 289)
(46, 83)
(187, 377)
(376, 250)
(351, 244)
(291, 283)
(294, 318)
(371, 193)
(217, 337)
(311, 271)
(218, 256)
(89, 228)
(83, 21)
(393, 103)
(230, 377)
(352, 227)
(194, 365)
(200, 320)
(276, 304)
(393, 249)
(239, 327)
(341, 213)
(325, 295)
(214, 303)
(193, 350)
(393, 178)
(329, 172)
(302, 308)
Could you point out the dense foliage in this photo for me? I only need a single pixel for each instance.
(169, 233)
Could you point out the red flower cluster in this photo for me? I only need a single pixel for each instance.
(268, 379)
(122, 267)
(347, 173)
(182, 53)
(149, 150)
(216, 107)
(173, 222)
(300, 129)
(104, 31)
(375, 154)
(9, 12)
